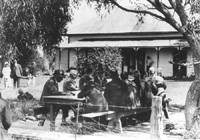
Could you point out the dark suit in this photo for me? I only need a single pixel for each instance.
(17, 75)
(116, 93)
(51, 88)
(5, 119)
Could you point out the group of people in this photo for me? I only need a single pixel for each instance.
(112, 89)
(13, 72)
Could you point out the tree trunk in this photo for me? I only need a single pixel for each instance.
(192, 98)
(191, 103)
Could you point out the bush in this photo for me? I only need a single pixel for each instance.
(102, 61)
(20, 109)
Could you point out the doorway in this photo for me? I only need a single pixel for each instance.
(179, 56)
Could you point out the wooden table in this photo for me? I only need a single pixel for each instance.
(60, 100)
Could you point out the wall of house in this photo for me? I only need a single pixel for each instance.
(166, 55)
(73, 58)
(152, 53)
(63, 62)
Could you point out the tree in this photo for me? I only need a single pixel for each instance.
(27, 24)
(184, 16)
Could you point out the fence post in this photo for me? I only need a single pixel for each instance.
(156, 118)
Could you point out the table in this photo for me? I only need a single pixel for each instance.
(60, 100)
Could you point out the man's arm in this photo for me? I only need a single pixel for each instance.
(53, 89)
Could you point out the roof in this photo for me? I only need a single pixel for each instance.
(117, 21)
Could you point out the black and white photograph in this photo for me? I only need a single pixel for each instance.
(99, 69)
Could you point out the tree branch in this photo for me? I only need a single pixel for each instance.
(137, 11)
(172, 4)
(169, 18)
(181, 12)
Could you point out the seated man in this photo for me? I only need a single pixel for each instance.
(70, 83)
(88, 76)
(51, 88)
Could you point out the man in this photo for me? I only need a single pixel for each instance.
(69, 88)
(51, 88)
(161, 87)
(70, 83)
(149, 63)
(86, 78)
(116, 93)
(158, 89)
(17, 74)
(5, 119)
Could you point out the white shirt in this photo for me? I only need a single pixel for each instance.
(6, 72)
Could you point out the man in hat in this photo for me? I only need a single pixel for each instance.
(69, 88)
(86, 78)
(51, 88)
(158, 89)
(17, 74)
(70, 83)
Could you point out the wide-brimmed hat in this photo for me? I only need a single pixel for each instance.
(6, 63)
(158, 79)
(131, 77)
(59, 73)
(152, 70)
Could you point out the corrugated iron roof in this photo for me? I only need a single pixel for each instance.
(117, 21)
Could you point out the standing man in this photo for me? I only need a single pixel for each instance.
(51, 88)
(17, 74)
(5, 119)
(149, 64)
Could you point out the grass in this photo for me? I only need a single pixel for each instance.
(20, 109)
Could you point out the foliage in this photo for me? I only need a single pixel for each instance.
(20, 109)
(101, 60)
(29, 23)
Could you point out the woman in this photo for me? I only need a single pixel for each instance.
(6, 71)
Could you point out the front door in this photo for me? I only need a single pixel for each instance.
(141, 61)
(179, 56)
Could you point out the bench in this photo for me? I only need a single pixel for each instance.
(97, 114)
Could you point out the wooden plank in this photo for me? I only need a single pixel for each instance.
(156, 122)
(64, 97)
(63, 100)
(97, 114)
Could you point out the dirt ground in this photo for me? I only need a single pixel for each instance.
(176, 90)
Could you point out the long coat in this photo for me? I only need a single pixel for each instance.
(116, 93)
(5, 119)
(18, 70)
(50, 88)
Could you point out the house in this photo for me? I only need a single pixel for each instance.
(138, 38)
